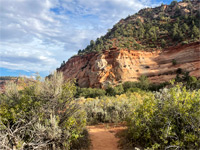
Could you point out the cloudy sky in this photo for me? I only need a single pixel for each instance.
(37, 35)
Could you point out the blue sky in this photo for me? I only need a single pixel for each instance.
(37, 35)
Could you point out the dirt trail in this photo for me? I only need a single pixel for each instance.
(103, 136)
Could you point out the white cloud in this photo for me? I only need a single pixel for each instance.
(37, 35)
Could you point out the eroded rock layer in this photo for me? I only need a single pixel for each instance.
(116, 66)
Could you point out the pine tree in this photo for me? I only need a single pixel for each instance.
(185, 28)
(153, 33)
(175, 31)
(195, 32)
(79, 52)
(92, 43)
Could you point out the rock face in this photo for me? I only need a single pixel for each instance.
(116, 66)
(21, 82)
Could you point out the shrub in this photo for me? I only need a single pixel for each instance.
(193, 83)
(42, 116)
(90, 92)
(143, 82)
(134, 90)
(127, 85)
(119, 89)
(179, 71)
(173, 3)
(112, 109)
(163, 43)
(156, 87)
(112, 91)
(174, 62)
(168, 120)
(184, 42)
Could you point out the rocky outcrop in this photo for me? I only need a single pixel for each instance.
(21, 82)
(116, 66)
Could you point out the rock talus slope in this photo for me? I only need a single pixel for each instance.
(116, 66)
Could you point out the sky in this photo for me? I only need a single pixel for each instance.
(36, 36)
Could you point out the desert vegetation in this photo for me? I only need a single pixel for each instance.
(43, 115)
(167, 120)
(163, 119)
(52, 114)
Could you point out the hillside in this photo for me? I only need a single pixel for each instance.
(152, 28)
(155, 42)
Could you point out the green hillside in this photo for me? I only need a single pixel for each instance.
(152, 28)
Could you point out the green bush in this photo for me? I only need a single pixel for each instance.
(163, 43)
(184, 42)
(43, 115)
(133, 90)
(168, 120)
(174, 62)
(112, 109)
(143, 82)
(90, 92)
(190, 82)
(127, 85)
(112, 91)
(156, 87)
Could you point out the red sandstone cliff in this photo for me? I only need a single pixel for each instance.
(115, 66)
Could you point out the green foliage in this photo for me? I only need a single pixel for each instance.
(179, 71)
(195, 32)
(143, 82)
(190, 82)
(62, 64)
(82, 143)
(119, 90)
(112, 109)
(173, 3)
(153, 33)
(45, 115)
(185, 28)
(170, 119)
(159, 27)
(114, 91)
(90, 92)
(174, 62)
(42, 115)
(128, 85)
(177, 33)
(184, 42)
(163, 43)
(110, 91)
(157, 87)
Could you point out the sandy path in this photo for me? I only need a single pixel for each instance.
(103, 137)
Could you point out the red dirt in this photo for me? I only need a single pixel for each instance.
(103, 136)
